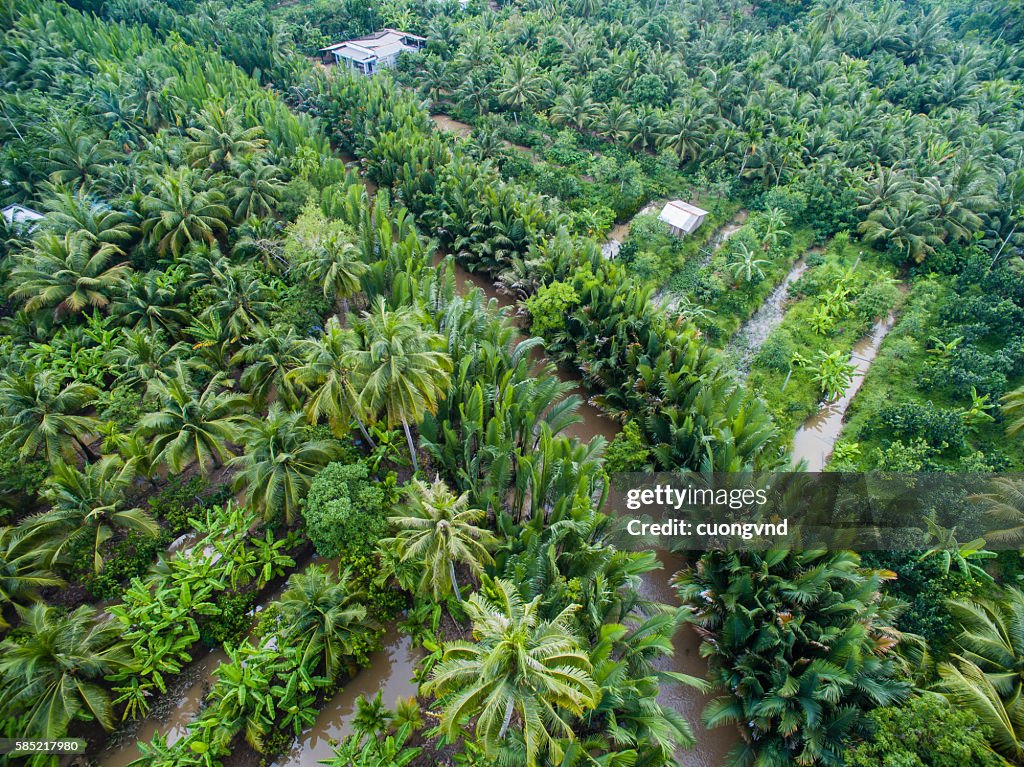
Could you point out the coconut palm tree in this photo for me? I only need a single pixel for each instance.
(53, 665)
(686, 129)
(218, 138)
(984, 675)
(438, 530)
(21, 575)
(39, 414)
(521, 673)
(71, 211)
(239, 299)
(323, 615)
(402, 372)
(331, 381)
(76, 157)
(907, 227)
(191, 424)
(335, 265)
(257, 190)
(154, 301)
(88, 504)
(269, 356)
(67, 273)
(178, 213)
(279, 462)
(520, 85)
(745, 264)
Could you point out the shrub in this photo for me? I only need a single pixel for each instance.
(550, 307)
(924, 732)
(345, 512)
(938, 427)
(232, 620)
(628, 451)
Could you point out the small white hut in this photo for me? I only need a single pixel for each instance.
(681, 217)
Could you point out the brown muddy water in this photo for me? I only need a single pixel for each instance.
(712, 745)
(390, 672)
(755, 331)
(446, 123)
(817, 437)
(170, 714)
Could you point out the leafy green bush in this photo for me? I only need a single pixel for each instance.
(924, 732)
(550, 307)
(628, 451)
(123, 560)
(177, 502)
(938, 427)
(345, 511)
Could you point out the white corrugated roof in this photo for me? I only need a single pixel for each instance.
(682, 215)
(382, 43)
(19, 214)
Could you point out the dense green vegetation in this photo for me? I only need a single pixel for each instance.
(234, 344)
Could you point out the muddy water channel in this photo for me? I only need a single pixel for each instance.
(755, 331)
(171, 714)
(712, 745)
(817, 437)
(390, 672)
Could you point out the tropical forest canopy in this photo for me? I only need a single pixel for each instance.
(248, 402)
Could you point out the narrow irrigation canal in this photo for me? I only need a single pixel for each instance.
(815, 440)
(755, 331)
(390, 673)
(712, 745)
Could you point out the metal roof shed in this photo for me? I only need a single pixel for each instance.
(681, 217)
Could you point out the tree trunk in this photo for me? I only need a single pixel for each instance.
(508, 719)
(455, 583)
(365, 433)
(87, 454)
(412, 447)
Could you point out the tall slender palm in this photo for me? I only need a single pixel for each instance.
(279, 462)
(437, 530)
(177, 213)
(336, 266)
(333, 384)
(986, 675)
(88, 504)
(521, 671)
(21, 574)
(403, 373)
(53, 666)
(323, 614)
(192, 424)
(67, 273)
(39, 414)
